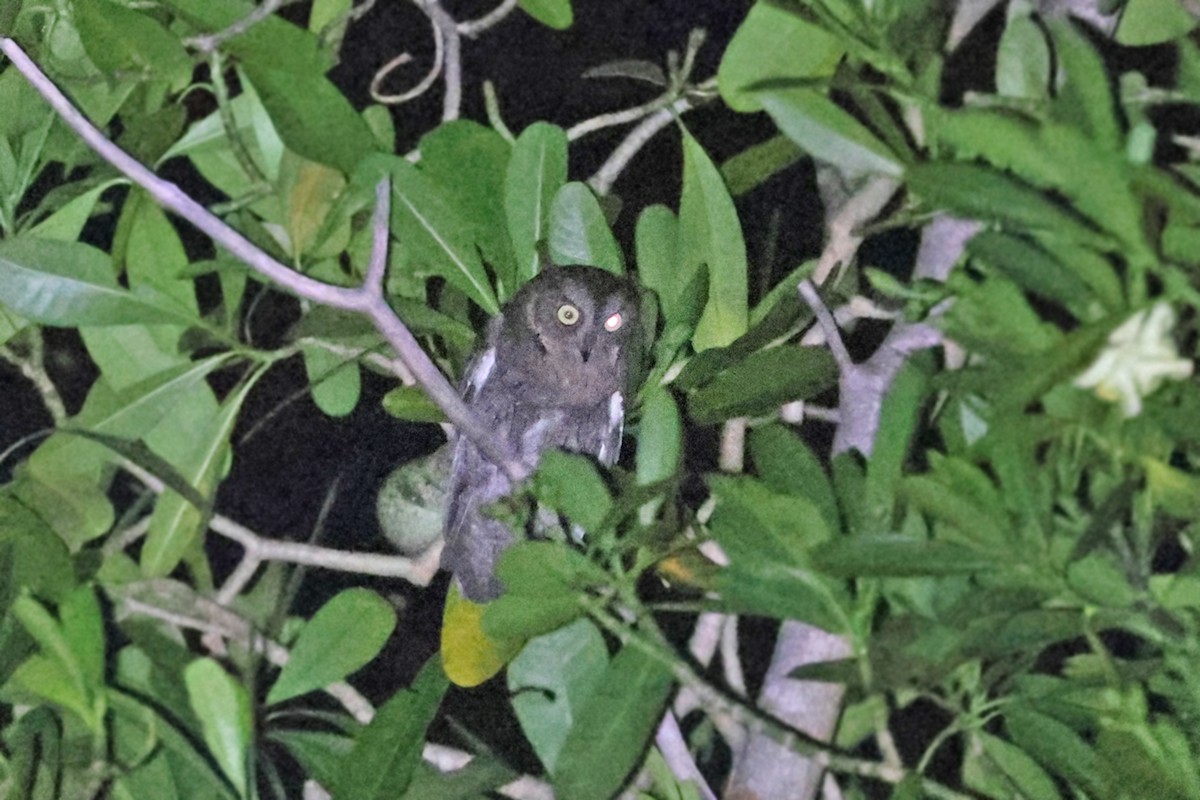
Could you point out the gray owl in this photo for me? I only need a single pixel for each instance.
(552, 373)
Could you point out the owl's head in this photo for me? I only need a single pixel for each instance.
(570, 334)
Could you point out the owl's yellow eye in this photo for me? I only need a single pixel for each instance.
(613, 322)
(568, 314)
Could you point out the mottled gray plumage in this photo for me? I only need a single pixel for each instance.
(552, 373)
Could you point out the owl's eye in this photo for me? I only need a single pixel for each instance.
(568, 314)
(613, 322)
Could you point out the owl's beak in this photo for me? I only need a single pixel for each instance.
(585, 348)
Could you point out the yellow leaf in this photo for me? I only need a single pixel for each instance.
(469, 655)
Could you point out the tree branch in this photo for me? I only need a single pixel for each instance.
(371, 304)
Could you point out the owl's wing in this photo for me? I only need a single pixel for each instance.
(474, 542)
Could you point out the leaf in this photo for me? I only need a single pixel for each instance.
(469, 163)
(1017, 770)
(1150, 22)
(974, 191)
(388, 750)
(609, 736)
(551, 680)
(571, 484)
(119, 39)
(710, 235)
(66, 224)
(774, 44)
(657, 247)
(1033, 269)
(312, 116)
(176, 522)
(469, 655)
(555, 14)
(1023, 57)
(344, 635)
(135, 411)
(758, 163)
(271, 42)
(188, 767)
(70, 284)
(897, 556)
(1054, 745)
(762, 382)
(1085, 97)
(411, 403)
(579, 233)
(435, 236)
(660, 437)
(829, 134)
(786, 465)
(334, 381)
(226, 717)
(536, 171)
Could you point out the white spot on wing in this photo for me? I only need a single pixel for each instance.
(483, 369)
(616, 427)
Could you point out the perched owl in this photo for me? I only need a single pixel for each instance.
(552, 373)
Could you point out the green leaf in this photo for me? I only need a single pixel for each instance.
(897, 556)
(786, 465)
(1033, 269)
(334, 381)
(555, 14)
(536, 171)
(1150, 22)
(436, 239)
(70, 284)
(1085, 96)
(319, 753)
(763, 382)
(981, 193)
(469, 162)
(121, 40)
(272, 42)
(756, 524)
(610, 734)
(189, 769)
(551, 680)
(897, 426)
(312, 116)
(1023, 57)
(657, 247)
(756, 164)
(31, 556)
(176, 522)
(571, 484)
(774, 44)
(388, 750)
(135, 411)
(1054, 745)
(67, 223)
(578, 231)
(1017, 771)
(828, 133)
(226, 718)
(660, 437)
(345, 634)
(710, 235)
(411, 403)
(326, 12)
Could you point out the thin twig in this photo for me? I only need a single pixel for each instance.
(371, 304)
(635, 140)
(419, 571)
(33, 368)
(474, 27)
(447, 26)
(207, 43)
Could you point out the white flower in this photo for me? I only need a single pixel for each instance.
(1139, 356)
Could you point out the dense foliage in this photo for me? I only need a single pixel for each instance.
(987, 496)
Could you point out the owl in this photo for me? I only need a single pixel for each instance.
(553, 372)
